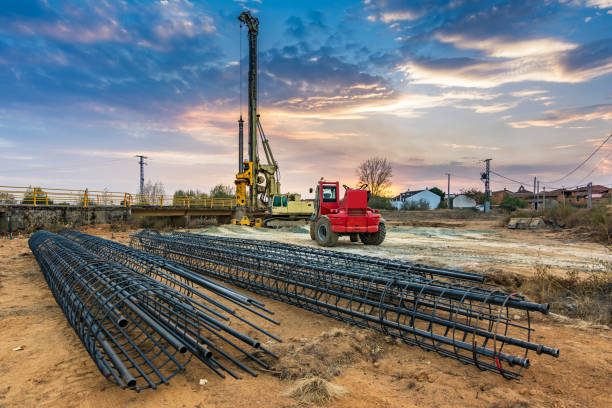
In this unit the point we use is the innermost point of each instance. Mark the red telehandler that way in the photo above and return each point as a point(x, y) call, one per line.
point(350, 216)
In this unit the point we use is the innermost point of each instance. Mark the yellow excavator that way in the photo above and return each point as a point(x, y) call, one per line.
point(259, 198)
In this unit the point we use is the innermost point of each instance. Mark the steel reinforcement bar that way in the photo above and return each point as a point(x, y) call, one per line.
point(386, 267)
point(139, 332)
point(473, 324)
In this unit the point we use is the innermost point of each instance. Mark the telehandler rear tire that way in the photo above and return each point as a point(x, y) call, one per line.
point(375, 238)
point(313, 235)
point(324, 234)
point(354, 237)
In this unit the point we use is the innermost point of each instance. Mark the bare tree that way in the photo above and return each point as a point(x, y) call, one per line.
point(376, 172)
point(152, 192)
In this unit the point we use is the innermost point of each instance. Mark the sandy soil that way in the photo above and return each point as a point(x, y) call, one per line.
point(53, 369)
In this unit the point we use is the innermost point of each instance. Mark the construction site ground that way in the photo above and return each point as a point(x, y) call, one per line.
point(43, 364)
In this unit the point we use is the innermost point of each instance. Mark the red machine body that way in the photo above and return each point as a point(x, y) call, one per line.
point(350, 216)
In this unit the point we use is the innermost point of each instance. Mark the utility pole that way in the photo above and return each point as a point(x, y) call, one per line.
point(563, 192)
point(486, 177)
point(534, 204)
point(589, 195)
point(544, 197)
point(538, 196)
point(141, 161)
point(448, 191)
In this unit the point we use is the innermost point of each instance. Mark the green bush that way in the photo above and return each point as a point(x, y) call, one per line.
point(438, 191)
point(28, 197)
point(511, 203)
point(380, 203)
point(416, 205)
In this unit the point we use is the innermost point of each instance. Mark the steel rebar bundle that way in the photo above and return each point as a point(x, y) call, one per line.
point(140, 332)
point(185, 281)
point(474, 324)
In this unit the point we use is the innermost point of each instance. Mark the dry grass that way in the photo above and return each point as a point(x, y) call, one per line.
point(328, 354)
point(594, 223)
point(315, 390)
point(585, 297)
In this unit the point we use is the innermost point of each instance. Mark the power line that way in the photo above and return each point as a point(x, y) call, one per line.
point(582, 163)
point(509, 179)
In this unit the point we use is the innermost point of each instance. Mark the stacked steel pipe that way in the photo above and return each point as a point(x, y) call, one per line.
point(139, 331)
point(440, 310)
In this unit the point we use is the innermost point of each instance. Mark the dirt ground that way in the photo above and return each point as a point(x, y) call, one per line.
point(53, 369)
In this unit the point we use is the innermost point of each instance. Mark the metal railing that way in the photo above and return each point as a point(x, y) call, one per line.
point(42, 196)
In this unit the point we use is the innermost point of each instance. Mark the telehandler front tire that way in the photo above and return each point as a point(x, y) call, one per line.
point(324, 234)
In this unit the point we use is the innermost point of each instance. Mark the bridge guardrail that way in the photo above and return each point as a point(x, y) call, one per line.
point(42, 196)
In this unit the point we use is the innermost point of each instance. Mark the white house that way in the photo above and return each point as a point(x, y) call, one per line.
point(463, 201)
point(417, 197)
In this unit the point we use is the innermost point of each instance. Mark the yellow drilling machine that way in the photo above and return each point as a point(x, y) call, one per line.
point(259, 198)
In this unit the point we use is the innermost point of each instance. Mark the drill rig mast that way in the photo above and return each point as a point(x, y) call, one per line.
point(252, 173)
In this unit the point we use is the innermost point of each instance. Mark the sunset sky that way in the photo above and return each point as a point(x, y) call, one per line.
point(434, 86)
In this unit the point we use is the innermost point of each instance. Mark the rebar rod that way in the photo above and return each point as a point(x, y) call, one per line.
point(473, 324)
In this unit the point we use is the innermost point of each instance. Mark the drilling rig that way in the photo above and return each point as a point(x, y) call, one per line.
point(264, 202)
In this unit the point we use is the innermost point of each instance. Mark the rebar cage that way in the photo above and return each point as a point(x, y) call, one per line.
point(442, 310)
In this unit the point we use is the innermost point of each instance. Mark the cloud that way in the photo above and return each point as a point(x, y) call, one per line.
point(563, 147)
point(390, 17)
point(166, 157)
point(492, 108)
point(470, 147)
point(300, 29)
point(5, 143)
point(577, 65)
point(558, 117)
point(497, 44)
point(603, 4)
point(90, 22)
point(501, 47)
point(528, 93)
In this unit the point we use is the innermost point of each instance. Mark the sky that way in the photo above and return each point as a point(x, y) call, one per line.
point(434, 86)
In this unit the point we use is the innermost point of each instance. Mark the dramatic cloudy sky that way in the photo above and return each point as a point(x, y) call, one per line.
point(434, 86)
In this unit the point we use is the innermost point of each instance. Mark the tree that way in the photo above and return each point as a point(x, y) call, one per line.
point(152, 192)
point(438, 191)
point(41, 196)
point(376, 172)
point(222, 191)
point(380, 203)
point(6, 198)
point(511, 203)
point(194, 196)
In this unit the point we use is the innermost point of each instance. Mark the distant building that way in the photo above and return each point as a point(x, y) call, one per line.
point(577, 196)
point(498, 196)
point(463, 201)
point(417, 197)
